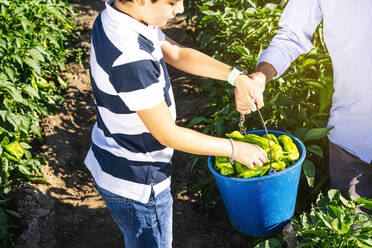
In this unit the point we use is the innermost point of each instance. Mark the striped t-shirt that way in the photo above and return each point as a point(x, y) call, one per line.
point(128, 73)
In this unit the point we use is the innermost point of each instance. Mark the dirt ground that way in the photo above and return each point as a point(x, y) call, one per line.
point(69, 213)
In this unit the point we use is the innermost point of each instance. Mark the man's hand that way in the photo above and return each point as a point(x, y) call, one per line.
point(249, 88)
point(249, 91)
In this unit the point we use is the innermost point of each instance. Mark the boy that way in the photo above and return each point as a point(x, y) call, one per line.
point(135, 133)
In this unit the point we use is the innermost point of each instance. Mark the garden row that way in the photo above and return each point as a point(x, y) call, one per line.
point(298, 102)
point(33, 35)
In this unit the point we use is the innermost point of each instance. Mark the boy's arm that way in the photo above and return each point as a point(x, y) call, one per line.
point(160, 123)
point(194, 62)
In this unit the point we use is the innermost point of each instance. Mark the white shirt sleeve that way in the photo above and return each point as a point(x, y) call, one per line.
point(298, 23)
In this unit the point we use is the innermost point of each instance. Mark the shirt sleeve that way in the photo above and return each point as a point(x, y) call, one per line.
point(138, 85)
point(297, 26)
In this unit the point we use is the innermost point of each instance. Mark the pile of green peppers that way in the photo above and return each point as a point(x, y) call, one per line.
point(284, 154)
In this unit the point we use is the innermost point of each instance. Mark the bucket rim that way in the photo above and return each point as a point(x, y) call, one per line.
point(266, 177)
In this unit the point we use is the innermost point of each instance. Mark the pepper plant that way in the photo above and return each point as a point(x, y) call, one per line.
point(33, 34)
point(332, 222)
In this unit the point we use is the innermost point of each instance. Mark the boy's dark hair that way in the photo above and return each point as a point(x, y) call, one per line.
point(122, 1)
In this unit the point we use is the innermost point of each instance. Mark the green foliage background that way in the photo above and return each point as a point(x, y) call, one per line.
point(33, 34)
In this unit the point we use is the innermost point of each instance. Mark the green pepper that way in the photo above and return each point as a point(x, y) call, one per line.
point(10, 157)
point(278, 165)
point(42, 83)
point(244, 172)
point(289, 148)
point(276, 151)
point(14, 149)
point(224, 166)
point(258, 140)
point(271, 137)
point(235, 135)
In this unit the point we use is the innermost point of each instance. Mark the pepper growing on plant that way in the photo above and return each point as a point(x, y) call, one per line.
point(13, 151)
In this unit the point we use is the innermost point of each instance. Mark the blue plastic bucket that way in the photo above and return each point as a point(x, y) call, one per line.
point(261, 206)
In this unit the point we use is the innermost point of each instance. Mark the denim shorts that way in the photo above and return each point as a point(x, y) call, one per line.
point(143, 225)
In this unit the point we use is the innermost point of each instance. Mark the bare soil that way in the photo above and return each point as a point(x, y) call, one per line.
point(70, 213)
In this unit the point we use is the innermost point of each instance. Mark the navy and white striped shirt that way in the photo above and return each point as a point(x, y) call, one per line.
point(128, 73)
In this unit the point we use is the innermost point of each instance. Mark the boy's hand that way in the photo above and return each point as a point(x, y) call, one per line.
point(250, 155)
point(249, 90)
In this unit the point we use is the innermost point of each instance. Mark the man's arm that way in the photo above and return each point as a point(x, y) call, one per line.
point(266, 71)
point(298, 24)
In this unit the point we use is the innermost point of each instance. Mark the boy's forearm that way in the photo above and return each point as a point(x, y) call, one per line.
point(200, 64)
point(160, 123)
point(190, 141)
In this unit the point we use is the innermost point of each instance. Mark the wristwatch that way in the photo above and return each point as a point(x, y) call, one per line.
point(234, 74)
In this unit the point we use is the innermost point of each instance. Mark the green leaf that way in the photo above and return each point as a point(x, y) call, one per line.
point(269, 243)
point(62, 82)
point(325, 96)
point(39, 180)
point(33, 64)
point(3, 114)
point(347, 203)
point(316, 84)
point(326, 220)
point(10, 73)
point(344, 228)
point(364, 242)
point(309, 61)
point(320, 233)
point(317, 150)
point(24, 170)
point(13, 213)
point(210, 13)
point(336, 211)
point(334, 195)
point(309, 171)
point(31, 91)
point(316, 133)
point(36, 55)
point(24, 145)
point(14, 92)
point(13, 119)
point(301, 132)
point(3, 224)
point(367, 203)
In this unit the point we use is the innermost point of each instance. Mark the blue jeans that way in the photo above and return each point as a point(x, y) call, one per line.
point(143, 225)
